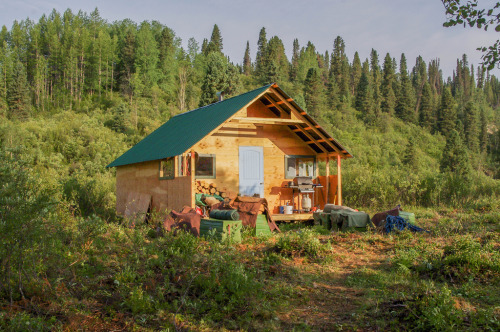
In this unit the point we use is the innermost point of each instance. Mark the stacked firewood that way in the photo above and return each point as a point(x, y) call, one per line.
point(204, 187)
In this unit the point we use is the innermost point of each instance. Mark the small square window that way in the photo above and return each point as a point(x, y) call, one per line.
point(300, 166)
point(205, 166)
point(167, 168)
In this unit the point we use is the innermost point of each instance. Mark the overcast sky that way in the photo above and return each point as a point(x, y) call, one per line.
point(395, 26)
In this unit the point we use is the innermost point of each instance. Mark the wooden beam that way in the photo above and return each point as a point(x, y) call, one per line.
point(339, 181)
point(273, 103)
point(193, 181)
point(274, 121)
point(301, 116)
point(322, 148)
point(327, 179)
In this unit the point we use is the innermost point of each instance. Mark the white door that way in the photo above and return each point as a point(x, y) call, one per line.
point(251, 170)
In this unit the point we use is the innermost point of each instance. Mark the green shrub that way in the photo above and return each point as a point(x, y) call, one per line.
point(301, 243)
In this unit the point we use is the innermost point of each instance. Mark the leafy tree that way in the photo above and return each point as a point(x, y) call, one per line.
point(25, 207)
point(468, 13)
point(146, 56)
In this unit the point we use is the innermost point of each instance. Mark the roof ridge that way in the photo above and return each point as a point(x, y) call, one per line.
point(221, 101)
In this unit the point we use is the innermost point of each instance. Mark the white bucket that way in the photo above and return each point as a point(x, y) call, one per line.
point(288, 209)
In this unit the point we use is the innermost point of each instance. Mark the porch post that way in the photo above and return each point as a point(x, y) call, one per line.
point(193, 184)
point(327, 179)
point(339, 182)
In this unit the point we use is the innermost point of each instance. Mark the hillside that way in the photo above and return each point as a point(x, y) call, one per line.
point(77, 91)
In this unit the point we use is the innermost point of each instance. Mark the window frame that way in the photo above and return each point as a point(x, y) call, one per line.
point(160, 169)
point(214, 173)
point(297, 157)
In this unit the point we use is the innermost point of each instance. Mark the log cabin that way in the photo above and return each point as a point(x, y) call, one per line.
point(253, 144)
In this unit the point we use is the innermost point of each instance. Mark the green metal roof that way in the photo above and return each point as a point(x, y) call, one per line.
point(185, 130)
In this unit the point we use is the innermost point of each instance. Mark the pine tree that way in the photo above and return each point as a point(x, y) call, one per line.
point(388, 96)
point(294, 68)
point(419, 77)
point(447, 115)
point(375, 73)
point(405, 107)
point(278, 68)
point(18, 93)
point(410, 157)
point(338, 68)
point(364, 94)
point(216, 38)
point(215, 44)
point(220, 76)
point(471, 127)
point(261, 57)
point(247, 62)
point(314, 93)
point(355, 73)
point(455, 158)
point(483, 138)
point(426, 111)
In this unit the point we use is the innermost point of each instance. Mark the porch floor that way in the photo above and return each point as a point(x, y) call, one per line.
point(292, 217)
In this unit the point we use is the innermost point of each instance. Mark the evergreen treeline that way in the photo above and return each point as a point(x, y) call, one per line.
point(76, 91)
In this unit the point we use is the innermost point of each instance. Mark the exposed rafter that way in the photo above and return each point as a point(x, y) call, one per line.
point(304, 119)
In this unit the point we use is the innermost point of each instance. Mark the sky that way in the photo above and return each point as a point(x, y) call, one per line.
point(394, 26)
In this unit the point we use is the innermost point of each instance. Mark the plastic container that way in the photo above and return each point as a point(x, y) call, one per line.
point(288, 209)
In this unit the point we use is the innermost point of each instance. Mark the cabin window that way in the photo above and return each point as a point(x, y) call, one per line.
point(205, 166)
point(167, 168)
point(300, 166)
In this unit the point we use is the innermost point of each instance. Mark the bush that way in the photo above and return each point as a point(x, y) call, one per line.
point(301, 243)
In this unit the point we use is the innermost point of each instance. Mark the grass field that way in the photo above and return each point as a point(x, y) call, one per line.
point(304, 279)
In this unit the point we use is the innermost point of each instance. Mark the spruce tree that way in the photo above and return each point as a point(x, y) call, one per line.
point(220, 76)
point(426, 110)
point(375, 73)
point(483, 136)
point(314, 93)
point(261, 57)
point(294, 68)
point(388, 96)
point(215, 44)
point(355, 73)
point(278, 68)
point(471, 127)
point(405, 100)
point(247, 62)
point(455, 158)
point(447, 114)
point(364, 94)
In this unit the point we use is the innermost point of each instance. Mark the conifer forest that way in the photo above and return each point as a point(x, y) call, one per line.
point(77, 91)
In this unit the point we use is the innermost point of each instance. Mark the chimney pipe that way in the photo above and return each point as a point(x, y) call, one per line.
point(220, 95)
